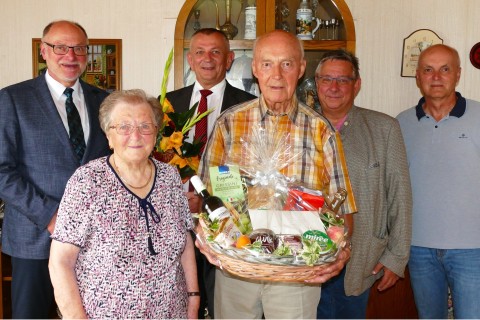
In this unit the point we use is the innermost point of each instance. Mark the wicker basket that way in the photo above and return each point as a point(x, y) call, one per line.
point(265, 272)
point(264, 267)
point(258, 271)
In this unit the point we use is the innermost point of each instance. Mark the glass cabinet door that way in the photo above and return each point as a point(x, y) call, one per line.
point(331, 26)
point(310, 20)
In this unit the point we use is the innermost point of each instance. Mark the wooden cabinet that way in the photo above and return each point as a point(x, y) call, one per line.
point(111, 71)
point(270, 15)
point(6, 278)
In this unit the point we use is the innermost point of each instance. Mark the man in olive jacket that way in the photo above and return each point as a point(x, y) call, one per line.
point(377, 165)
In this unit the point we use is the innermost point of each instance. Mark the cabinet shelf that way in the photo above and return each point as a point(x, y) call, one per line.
point(307, 44)
point(268, 18)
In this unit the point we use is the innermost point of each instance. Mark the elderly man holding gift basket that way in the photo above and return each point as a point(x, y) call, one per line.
point(315, 161)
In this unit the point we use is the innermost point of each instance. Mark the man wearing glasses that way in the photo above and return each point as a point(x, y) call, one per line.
point(48, 128)
point(377, 165)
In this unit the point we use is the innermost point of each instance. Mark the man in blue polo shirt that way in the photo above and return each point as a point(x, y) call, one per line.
point(442, 137)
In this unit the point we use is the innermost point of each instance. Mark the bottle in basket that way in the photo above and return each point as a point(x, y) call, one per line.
point(212, 205)
point(337, 200)
point(336, 229)
point(227, 232)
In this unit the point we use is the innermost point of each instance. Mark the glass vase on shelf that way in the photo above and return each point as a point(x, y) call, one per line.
point(196, 24)
point(251, 20)
point(228, 27)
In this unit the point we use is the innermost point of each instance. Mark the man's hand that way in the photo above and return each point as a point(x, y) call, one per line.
point(325, 273)
point(389, 278)
point(194, 202)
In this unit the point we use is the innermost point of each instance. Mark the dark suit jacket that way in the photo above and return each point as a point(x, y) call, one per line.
point(36, 160)
point(180, 98)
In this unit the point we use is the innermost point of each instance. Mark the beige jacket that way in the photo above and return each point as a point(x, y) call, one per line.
point(378, 169)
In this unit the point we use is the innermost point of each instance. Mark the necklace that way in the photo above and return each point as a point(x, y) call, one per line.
point(125, 181)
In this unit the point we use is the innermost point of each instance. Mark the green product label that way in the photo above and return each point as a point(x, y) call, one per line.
point(320, 238)
point(227, 183)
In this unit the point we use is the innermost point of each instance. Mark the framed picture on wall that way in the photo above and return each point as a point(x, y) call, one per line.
point(413, 45)
point(104, 63)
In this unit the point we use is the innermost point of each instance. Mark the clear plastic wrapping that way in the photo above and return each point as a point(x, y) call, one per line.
point(270, 195)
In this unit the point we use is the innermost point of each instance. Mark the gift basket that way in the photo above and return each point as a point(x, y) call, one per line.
point(275, 228)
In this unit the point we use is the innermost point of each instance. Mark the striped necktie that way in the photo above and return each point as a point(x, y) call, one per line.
point(202, 126)
point(75, 125)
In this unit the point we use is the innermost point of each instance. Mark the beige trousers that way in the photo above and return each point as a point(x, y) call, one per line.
point(239, 299)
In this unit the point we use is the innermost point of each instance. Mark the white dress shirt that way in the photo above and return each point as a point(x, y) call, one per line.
point(56, 90)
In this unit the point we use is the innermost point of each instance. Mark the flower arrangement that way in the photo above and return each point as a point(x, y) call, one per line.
point(171, 146)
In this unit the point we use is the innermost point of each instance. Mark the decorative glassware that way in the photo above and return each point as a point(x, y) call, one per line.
point(228, 28)
point(196, 24)
point(217, 20)
point(251, 21)
point(304, 22)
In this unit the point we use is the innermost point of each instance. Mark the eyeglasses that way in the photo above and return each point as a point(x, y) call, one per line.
point(62, 49)
point(341, 81)
point(125, 129)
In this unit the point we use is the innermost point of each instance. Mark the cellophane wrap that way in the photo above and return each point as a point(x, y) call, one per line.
point(264, 154)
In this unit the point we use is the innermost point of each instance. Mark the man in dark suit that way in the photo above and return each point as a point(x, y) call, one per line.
point(37, 158)
point(209, 57)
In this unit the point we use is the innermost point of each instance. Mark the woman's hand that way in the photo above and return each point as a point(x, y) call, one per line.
point(204, 248)
point(190, 269)
point(193, 304)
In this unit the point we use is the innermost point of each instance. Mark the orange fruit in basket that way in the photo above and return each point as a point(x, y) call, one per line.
point(242, 241)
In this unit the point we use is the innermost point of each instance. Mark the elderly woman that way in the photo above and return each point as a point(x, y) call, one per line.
point(121, 247)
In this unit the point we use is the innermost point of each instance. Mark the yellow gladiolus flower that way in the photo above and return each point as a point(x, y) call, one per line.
point(176, 141)
point(164, 143)
point(177, 160)
point(167, 106)
point(194, 162)
point(169, 149)
point(166, 118)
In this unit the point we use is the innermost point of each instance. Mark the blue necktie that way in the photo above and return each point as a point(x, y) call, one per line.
point(75, 125)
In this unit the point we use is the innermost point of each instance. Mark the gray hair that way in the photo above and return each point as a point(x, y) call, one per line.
point(342, 55)
point(133, 97)
point(210, 31)
point(46, 30)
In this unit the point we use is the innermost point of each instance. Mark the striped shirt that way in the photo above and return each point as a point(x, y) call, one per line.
point(322, 165)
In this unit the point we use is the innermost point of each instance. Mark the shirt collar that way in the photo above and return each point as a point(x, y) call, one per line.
point(57, 89)
point(292, 111)
point(457, 111)
point(219, 87)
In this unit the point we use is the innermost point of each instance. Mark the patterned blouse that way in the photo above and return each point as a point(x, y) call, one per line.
point(121, 271)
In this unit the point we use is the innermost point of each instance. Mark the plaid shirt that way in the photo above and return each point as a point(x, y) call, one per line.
point(322, 166)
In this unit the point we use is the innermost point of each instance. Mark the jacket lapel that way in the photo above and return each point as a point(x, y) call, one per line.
point(93, 98)
point(48, 108)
